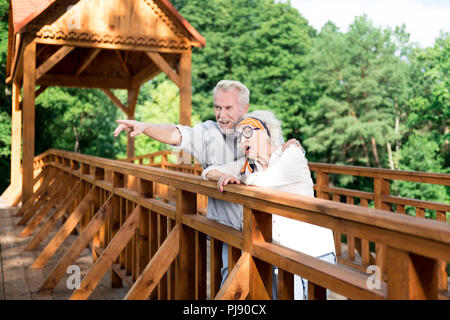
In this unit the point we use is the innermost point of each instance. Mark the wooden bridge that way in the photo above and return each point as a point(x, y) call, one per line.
point(138, 230)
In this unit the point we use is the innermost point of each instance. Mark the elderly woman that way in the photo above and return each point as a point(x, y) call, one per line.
point(266, 165)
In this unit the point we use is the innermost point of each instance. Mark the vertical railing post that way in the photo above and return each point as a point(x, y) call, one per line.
point(258, 227)
point(185, 263)
point(410, 276)
point(145, 191)
point(381, 187)
point(117, 182)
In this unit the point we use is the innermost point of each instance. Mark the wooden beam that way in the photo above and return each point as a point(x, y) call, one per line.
point(125, 69)
point(49, 193)
point(58, 196)
point(40, 90)
point(16, 136)
point(185, 89)
point(105, 261)
point(58, 214)
point(27, 205)
point(65, 230)
point(53, 60)
point(29, 84)
point(165, 67)
point(116, 101)
point(87, 60)
point(144, 75)
point(78, 246)
point(83, 81)
point(156, 268)
point(236, 287)
point(257, 287)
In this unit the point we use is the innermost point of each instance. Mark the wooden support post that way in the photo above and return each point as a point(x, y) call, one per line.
point(16, 137)
point(157, 266)
point(78, 246)
point(65, 230)
point(410, 276)
point(185, 88)
point(29, 89)
point(133, 94)
point(111, 252)
point(185, 263)
point(316, 292)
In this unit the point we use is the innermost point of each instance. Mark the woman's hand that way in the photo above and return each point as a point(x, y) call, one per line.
point(226, 179)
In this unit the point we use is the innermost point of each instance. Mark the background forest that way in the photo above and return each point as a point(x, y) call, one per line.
point(365, 97)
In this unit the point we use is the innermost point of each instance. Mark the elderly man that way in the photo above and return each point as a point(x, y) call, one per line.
point(212, 143)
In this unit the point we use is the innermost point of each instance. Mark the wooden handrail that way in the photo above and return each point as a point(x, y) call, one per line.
point(406, 236)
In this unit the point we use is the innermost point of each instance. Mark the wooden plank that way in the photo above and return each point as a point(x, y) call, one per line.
point(29, 85)
point(58, 214)
point(78, 246)
point(111, 252)
point(53, 60)
point(237, 285)
point(87, 60)
point(64, 231)
point(157, 266)
point(165, 67)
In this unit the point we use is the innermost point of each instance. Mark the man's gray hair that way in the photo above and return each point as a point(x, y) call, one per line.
point(272, 123)
point(227, 85)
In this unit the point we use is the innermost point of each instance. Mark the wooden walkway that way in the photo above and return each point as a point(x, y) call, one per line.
point(19, 282)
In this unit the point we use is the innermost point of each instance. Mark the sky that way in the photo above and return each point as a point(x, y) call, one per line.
point(423, 18)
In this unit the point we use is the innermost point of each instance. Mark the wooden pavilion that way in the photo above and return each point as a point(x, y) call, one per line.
point(113, 44)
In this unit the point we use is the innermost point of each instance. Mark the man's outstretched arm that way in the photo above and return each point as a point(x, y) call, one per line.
point(165, 133)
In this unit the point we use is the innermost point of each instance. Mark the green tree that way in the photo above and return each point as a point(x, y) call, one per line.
point(429, 105)
point(260, 43)
point(359, 79)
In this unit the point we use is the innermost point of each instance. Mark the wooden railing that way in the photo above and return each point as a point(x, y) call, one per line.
point(355, 252)
point(159, 248)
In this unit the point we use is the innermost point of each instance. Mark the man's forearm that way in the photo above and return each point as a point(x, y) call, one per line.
point(165, 133)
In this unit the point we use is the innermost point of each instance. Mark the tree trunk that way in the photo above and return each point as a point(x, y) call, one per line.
point(391, 160)
point(375, 152)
